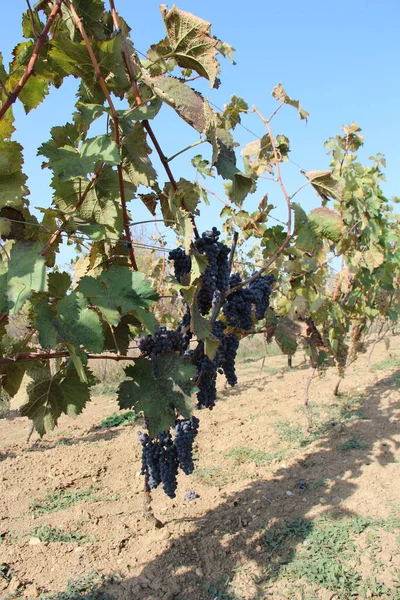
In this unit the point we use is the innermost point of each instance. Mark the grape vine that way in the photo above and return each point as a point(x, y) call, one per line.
point(286, 286)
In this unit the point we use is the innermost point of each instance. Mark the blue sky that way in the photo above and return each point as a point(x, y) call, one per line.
point(339, 59)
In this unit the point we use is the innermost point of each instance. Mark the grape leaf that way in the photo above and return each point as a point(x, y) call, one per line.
point(26, 273)
point(188, 103)
point(279, 94)
point(12, 179)
point(71, 321)
point(58, 283)
point(117, 292)
point(286, 332)
point(68, 162)
point(50, 396)
point(159, 397)
point(327, 223)
point(191, 43)
point(135, 158)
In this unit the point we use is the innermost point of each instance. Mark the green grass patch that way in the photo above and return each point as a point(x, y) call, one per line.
point(213, 476)
point(293, 434)
point(352, 444)
point(243, 454)
point(324, 554)
point(90, 586)
point(119, 419)
point(388, 363)
point(61, 499)
point(49, 534)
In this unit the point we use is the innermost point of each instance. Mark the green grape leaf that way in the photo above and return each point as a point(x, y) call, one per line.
point(226, 167)
point(26, 274)
point(159, 397)
point(327, 223)
point(135, 158)
point(12, 179)
point(72, 321)
point(48, 397)
point(373, 258)
point(279, 94)
point(68, 163)
point(191, 43)
point(58, 283)
point(117, 292)
point(11, 376)
point(230, 117)
point(285, 334)
point(34, 92)
point(116, 339)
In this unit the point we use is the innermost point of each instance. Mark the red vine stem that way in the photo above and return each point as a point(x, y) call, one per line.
point(28, 356)
point(146, 124)
point(285, 242)
point(114, 115)
point(89, 186)
point(42, 39)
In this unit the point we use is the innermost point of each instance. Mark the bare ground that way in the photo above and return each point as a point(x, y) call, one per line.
point(255, 471)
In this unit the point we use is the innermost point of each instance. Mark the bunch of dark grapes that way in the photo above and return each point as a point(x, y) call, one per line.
point(261, 289)
point(184, 330)
point(151, 453)
point(237, 307)
point(229, 348)
point(185, 433)
point(162, 341)
point(168, 463)
point(216, 273)
point(182, 263)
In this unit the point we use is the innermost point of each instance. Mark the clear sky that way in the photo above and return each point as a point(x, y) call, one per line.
point(340, 59)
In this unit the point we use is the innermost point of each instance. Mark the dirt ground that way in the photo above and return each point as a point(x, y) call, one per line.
point(256, 473)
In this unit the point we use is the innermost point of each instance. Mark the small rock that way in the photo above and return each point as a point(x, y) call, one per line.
point(199, 572)
point(289, 493)
point(78, 549)
point(322, 500)
point(34, 541)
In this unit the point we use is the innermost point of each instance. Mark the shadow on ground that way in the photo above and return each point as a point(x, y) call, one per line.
point(234, 536)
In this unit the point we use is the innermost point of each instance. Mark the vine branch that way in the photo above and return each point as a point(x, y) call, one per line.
point(42, 39)
point(114, 115)
point(29, 356)
point(145, 123)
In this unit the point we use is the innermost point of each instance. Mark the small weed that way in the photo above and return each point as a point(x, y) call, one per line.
point(293, 434)
point(118, 419)
point(49, 534)
point(62, 499)
point(213, 476)
point(386, 364)
point(352, 444)
point(218, 593)
point(241, 455)
point(326, 557)
point(320, 483)
point(87, 587)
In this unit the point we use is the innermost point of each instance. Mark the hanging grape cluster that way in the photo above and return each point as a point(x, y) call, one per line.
point(163, 456)
point(241, 307)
